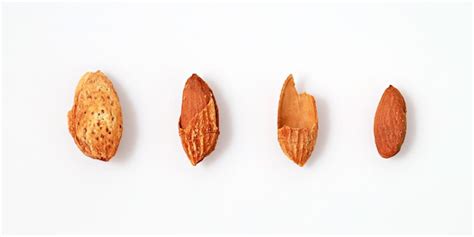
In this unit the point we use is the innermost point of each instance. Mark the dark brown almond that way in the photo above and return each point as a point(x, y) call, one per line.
point(199, 120)
point(297, 123)
point(390, 123)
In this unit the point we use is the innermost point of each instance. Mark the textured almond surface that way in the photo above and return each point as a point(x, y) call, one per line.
point(95, 120)
point(297, 123)
point(199, 120)
point(390, 123)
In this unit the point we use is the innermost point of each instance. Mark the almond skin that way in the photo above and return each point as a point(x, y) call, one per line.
point(95, 120)
point(297, 123)
point(390, 123)
point(199, 120)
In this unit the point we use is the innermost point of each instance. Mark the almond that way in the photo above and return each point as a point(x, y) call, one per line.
point(390, 123)
point(95, 120)
point(297, 123)
point(199, 120)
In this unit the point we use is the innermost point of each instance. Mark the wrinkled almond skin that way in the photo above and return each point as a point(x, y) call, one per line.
point(199, 120)
point(390, 123)
point(95, 120)
point(297, 123)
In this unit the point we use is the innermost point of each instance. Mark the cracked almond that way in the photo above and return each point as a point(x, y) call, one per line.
point(297, 123)
point(199, 120)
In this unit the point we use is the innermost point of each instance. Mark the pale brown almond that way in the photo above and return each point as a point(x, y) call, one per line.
point(390, 123)
point(95, 120)
point(297, 123)
point(199, 120)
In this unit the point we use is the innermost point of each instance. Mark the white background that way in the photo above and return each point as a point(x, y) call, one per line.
point(343, 54)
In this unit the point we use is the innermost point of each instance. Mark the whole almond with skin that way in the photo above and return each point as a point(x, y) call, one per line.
point(95, 120)
point(390, 123)
point(199, 120)
point(297, 123)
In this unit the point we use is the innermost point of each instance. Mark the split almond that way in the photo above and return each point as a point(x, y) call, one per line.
point(297, 123)
point(390, 123)
point(95, 120)
point(199, 121)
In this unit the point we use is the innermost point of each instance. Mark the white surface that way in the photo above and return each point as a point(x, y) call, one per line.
point(345, 55)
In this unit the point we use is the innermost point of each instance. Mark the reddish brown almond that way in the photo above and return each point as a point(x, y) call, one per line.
point(297, 123)
point(199, 121)
point(390, 123)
